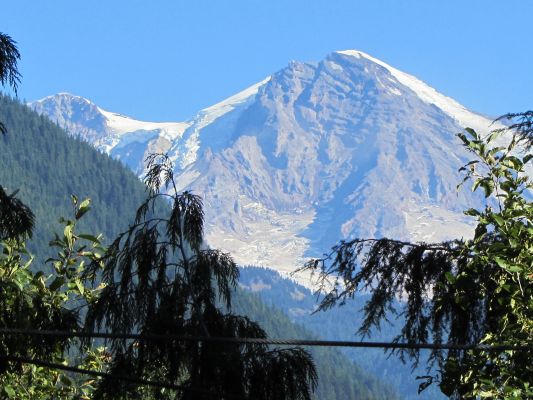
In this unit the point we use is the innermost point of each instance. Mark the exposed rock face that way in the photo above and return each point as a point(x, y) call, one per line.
point(345, 147)
point(76, 115)
point(121, 137)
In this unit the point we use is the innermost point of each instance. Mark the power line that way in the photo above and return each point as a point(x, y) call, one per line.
point(139, 381)
point(281, 342)
point(28, 360)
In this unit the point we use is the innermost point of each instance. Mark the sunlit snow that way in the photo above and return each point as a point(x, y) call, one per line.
point(464, 117)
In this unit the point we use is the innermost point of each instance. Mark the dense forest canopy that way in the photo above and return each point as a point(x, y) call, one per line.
point(46, 167)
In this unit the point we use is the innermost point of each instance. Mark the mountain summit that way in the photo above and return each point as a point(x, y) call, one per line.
point(317, 152)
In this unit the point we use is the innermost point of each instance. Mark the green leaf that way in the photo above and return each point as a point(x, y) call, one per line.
point(80, 286)
point(65, 380)
point(85, 203)
point(494, 134)
point(476, 184)
point(501, 262)
point(449, 277)
point(10, 392)
point(83, 208)
point(57, 283)
point(508, 186)
point(495, 150)
point(472, 133)
point(18, 284)
point(498, 219)
point(486, 184)
point(67, 233)
point(90, 238)
point(463, 138)
point(514, 163)
point(508, 267)
point(472, 211)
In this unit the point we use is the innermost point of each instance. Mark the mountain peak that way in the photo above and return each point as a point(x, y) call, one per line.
point(63, 96)
point(426, 93)
point(347, 146)
point(354, 53)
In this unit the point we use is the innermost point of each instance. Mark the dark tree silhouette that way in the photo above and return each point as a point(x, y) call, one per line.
point(16, 219)
point(161, 278)
point(26, 300)
point(9, 74)
point(522, 124)
point(463, 291)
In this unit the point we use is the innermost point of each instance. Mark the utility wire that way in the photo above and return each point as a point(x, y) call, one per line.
point(282, 342)
point(139, 381)
point(28, 360)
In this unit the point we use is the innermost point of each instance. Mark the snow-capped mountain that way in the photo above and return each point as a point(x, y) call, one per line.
point(120, 136)
point(348, 146)
point(131, 140)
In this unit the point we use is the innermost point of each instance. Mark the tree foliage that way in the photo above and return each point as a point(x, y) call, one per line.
point(522, 125)
point(31, 299)
point(37, 301)
point(9, 74)
point(160, 278)
point(462, 291)
point(9, 56)
point(16, 218)
point(140, 289)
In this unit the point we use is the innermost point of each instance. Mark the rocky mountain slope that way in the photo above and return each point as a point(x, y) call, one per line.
point(317, 152)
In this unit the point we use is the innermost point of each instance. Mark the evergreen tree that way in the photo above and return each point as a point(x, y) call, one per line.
point(16, 219)
point(461, 292)
point(160, 278)
point(9, 74)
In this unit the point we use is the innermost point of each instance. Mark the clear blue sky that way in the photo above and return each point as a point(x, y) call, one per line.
point(166, 59)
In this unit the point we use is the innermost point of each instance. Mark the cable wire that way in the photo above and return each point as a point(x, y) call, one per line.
point(281, 342)
point(28, 360)
point(139, 381)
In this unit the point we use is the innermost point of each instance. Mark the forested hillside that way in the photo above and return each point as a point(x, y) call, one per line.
point(338, 323)
point(47, 166)
point(338, 377)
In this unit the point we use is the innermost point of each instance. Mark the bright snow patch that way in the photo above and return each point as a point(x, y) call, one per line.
point(211, 113)
point(184, 154)
point(121, 124)
point(451, 107)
